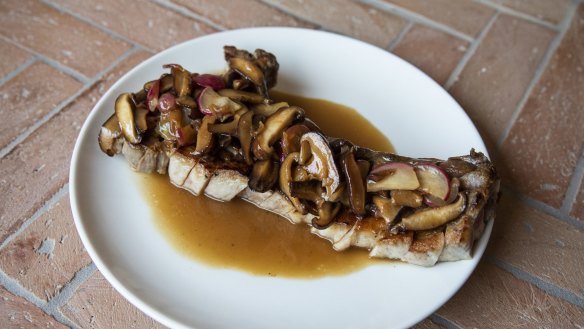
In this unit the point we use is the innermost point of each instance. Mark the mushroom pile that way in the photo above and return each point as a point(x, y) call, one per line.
point(230, 119)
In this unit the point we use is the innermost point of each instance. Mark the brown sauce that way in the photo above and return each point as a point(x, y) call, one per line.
point(241, 236)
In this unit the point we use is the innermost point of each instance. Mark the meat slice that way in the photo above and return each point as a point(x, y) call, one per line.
point(179, 168)
point(147, 157)
point(426, 248)
point(225, 184)
point(197, 179)
point(368, 230)
point(392, 246)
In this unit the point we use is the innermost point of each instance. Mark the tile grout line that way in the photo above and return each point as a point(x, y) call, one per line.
point(442, 321)
point(54, 199)
point(317, 25)
point(574, 186)
point(544, 208)
point(543, 64)
point(64, 103)
point(474, 45)
point(549, 288)
point(65, 69)
point(407, 27)
point(20, 68)
point(417, 18)
point(52, 306)
point(283, 9)
point(518, 14)
point(51, 62)
point(91, 23)
point(70, 287)
point(188, 13)
point(15, 288)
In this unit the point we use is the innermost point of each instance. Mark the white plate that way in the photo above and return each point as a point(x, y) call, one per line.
point(113, 220)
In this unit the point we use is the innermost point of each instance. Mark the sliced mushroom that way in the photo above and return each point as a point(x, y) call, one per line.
point(264, 175)
point(285, 179)
point(125, 109)
point(187, 135)
point(239, 84)
point(268, 109)
point(386, 209)
point(250, 71)
point(307, 190)
point(186, 101)
point(320, 163)
point(245, 135)
point(181, 79)
point(407, 198)
point(326, 215)
point(166, 83)
point(355, 183)
point(141, 118)
point(273, 129)
point(169, 124)
point(364, 167)
point(243, 96)
point(430, 218)
point(291, 138)
point(229, 128)
point(109, 136)
point(204, 136)
point(268, 63)
point(140, 96)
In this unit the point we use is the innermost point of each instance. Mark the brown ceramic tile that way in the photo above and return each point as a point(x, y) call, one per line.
point(434, 52)
point(542, 148)
point(493, 298)
point(16, 312)
point(58, 36)
point(11, 57)
point(353, 19)
point(427, 324)
point(465, 16)
point(538, 244)
point(47, 254)
point(146, 23)
point(496, 77)
point(242, 13)
point(551, 11)
point(578, 206)
point(26, 98)
point(39, 166)
point(96, 304)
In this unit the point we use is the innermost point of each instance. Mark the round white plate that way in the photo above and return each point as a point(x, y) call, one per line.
point(113, 220)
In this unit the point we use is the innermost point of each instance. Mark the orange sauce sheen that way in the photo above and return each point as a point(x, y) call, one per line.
point(239, 235)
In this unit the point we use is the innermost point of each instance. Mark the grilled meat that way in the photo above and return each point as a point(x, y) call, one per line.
point(222, 136)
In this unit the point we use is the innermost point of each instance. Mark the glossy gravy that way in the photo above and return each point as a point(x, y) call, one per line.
point(241, 236)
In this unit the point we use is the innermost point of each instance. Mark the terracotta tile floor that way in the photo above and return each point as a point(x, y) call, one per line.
point(517, 68)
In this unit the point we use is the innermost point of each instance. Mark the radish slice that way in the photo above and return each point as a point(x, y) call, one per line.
point(392, 176)
point(211, 103)
point(166, 102)
point(433, 181)
point(209, 80)
point(152, 96)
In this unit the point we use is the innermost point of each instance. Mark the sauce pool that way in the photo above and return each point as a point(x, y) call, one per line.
point(239, 235)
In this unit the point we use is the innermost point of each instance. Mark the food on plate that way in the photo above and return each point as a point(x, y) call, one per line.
point(224, 137)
